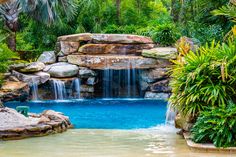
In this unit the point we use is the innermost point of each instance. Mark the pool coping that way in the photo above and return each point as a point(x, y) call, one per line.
point(206, 147)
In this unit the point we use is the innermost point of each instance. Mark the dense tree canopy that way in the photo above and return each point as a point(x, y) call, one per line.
point(40, 22)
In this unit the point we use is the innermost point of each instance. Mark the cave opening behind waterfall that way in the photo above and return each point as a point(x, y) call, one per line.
point(118, 84)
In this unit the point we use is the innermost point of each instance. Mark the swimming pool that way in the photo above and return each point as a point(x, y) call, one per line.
point(105, 113)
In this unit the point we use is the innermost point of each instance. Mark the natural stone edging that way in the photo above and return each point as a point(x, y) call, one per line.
point(49, 122)
point(206, 147)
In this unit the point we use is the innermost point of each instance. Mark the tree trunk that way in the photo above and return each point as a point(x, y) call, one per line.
point(118, 2)
point(11, 41)
point(11, 20)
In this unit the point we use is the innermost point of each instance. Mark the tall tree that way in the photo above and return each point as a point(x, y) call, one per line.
point(46, 11)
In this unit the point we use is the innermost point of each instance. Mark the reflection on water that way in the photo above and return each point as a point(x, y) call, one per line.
point(161, 141)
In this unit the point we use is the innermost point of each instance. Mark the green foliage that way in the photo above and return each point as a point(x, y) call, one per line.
point(49, 11)
point(149, 18)
point(228, 11)
point(6, 56)
point(204, 32)
point(216, 125)
point(195, 19)
point(166, 35)
point(204, 78)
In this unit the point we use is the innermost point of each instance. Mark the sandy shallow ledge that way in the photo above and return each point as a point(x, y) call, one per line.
point(206, 147)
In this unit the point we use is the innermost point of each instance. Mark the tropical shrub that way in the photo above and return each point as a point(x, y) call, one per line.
point(204, 78)
point(216, 125)
point(6, 56)
point(165, 35)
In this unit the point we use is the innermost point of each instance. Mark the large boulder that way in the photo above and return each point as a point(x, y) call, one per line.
point(44, 77)
point(38, 77)
point(86, 73)
point(64, 48)
point(107, 38)
point(29, 79)
point(86, 88)
point(62, 70)
point(158, 96)
point(161, 87)
point(121, 49)
point(14, 91)
point(184, 122)
point(116, 62)
point(121, 39)
point(47, 57)
point(14, 126)
point(33, 67)
point(62, 59)
point(76, 37)
point(10, 118)
point(153, 75)
point(18, 66)
point(161, 53)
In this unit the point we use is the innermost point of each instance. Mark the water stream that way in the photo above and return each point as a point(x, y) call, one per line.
point(76, 87)
point(59, 89)
point(170, 115)
point(34, 90)
point(120, 83)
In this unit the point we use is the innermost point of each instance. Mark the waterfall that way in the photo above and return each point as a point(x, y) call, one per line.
point(76, 86)
point(134, 73)
point(170, 115)
point(107, 83)
point(34, 90)
point(59, 89)
point(129, 80)
point(120, 83)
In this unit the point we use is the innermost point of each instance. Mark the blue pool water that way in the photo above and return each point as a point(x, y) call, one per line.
point(105, 114)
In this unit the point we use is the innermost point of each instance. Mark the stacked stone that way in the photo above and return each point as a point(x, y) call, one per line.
point(82, 55)
point(155, 82)
point(102, 51)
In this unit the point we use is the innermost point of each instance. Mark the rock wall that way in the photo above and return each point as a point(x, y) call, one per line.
point(84, 55)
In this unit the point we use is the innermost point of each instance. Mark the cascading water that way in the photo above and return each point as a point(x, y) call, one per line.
point(120, 83)
point(170, 115)
point(76, 87)
point(34, 90)
point(134, 73)
point(59, 89)
point(128, 79)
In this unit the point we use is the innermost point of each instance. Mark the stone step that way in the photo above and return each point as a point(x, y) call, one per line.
point(121, 49)
point(161, 53)
point(116, 62)
point(107, 38)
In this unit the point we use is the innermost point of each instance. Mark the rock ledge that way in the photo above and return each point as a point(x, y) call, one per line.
point(14, 126)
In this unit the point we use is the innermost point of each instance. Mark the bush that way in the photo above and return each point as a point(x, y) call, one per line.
point(6, 56)
point(216, 125)
point(165, 35)
point(204, 33)
point(204, 79)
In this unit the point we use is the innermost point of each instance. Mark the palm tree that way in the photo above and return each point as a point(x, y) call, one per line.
point(45, 11)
